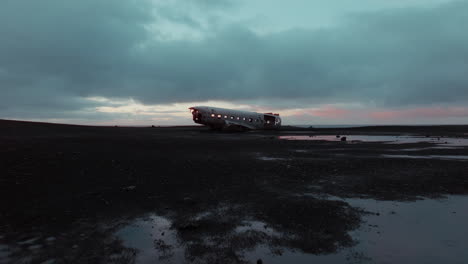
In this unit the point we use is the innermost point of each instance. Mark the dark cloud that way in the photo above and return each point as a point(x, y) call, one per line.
point(54, 53)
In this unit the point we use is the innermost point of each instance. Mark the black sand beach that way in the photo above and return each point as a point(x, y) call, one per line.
point(68, 193)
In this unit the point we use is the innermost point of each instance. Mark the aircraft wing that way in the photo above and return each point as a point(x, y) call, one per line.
point(234, 124)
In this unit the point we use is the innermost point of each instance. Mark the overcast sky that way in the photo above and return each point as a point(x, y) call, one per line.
point(315, 62)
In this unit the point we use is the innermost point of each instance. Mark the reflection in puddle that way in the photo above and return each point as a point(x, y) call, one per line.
point(86, 243)
point(4, 253)
point(443, 157)
point(154, 239)
point(228, 234)
point(297, 257)
point(262, 156)
point(428, 148)
point(382, 138)
point(256, 226)
point(157, 240)
point(424, 231)
point(270, 158)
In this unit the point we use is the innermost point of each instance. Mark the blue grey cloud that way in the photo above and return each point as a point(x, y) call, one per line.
point(54, 53)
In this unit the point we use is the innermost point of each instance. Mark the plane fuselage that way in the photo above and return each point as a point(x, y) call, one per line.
point(222, 118)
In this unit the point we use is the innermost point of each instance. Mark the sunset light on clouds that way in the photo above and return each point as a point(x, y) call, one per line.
point(314, 62)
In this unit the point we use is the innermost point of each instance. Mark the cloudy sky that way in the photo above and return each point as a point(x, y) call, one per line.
point(143, 62)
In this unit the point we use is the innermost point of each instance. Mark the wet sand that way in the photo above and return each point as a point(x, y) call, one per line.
point(82, 194)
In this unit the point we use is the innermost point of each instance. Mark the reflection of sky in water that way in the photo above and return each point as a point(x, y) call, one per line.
point(155, 240)
point(265, 158)
point(428, 148)
point(382, 138)
point(3, 253)
point(256, 226)
point(424, 231)
point(443, 157)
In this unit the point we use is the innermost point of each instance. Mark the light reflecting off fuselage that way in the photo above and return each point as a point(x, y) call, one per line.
point(234, 119)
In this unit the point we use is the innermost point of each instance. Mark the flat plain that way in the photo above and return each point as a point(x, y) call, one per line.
point(84, 194)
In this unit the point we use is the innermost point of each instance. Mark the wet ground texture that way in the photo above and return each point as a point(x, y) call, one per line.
point(73, 194)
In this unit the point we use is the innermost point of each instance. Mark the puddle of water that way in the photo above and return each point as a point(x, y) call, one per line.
point(28, 241)
point(448, 147)
point(146, 235)
point(301, 150)
point(257, 226)
point(288, 256)
point(154, 239)
point(311, 137)
point(260, 156)
point(424, 231)
point(428, 148)
point(270, 158)
point(4, 252)
point(387, 139)
point(442, 157)
point(31, 245)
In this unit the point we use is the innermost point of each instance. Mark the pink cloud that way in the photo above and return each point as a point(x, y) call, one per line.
point(326, 111)
point(377, 116)
point(426, 112)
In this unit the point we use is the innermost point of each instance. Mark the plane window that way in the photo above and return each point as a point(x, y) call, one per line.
point(268, 122)
point(243, 118)
point(250, 120)
point(225, 116)
point(219, 116)
point(238, 118)
point(212, 115)
point(232, 117)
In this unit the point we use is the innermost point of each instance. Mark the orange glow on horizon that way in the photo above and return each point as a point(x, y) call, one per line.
point(131, 111)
